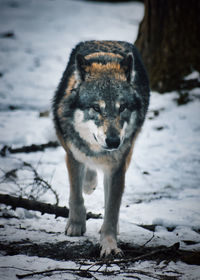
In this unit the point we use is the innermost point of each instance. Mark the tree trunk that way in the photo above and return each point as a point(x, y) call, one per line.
point(169, 43)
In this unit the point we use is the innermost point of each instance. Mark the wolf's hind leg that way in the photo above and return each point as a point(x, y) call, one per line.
point(90, 181)
point(76, 225)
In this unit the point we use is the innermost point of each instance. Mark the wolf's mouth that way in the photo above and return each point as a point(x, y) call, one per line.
point(105, 147)
point(95, 138)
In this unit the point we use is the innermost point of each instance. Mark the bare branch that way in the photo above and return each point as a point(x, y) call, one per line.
point(90, 273)
point(39, 185)
point(28, 149)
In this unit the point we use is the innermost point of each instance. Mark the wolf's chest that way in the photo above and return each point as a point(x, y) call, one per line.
point(96, 160)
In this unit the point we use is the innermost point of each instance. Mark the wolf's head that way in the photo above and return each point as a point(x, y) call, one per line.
point(107, 106)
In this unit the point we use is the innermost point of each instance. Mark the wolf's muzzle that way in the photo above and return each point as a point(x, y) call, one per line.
point(112, 142)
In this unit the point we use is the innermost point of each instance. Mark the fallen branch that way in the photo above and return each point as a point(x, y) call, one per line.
point(28, 149)
point(90, 273)
point(51, 271)
point(40, 206)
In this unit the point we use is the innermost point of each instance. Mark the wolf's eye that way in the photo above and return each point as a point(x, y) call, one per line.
point(96, 108)
point(122, 108)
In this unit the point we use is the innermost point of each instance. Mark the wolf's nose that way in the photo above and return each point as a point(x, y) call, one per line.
point(113, 142)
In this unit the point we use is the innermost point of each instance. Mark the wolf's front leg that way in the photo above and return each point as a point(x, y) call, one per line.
point(76, 225)
point(113, 188)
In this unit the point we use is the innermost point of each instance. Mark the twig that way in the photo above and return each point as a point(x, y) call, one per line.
point(149, 240)
point(17, 268)
point(90, 273)
point(46, 185)
point(40, 206)
point(37, 180)
point(77, 270)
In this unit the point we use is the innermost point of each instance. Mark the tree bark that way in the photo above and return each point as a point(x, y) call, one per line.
point(168, 42)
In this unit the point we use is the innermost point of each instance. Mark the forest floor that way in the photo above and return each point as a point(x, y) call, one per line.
point(160, 212)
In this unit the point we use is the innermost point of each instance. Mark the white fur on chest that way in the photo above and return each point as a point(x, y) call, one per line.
point(104, 162)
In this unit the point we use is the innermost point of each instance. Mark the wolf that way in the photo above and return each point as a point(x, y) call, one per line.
point(98, 110)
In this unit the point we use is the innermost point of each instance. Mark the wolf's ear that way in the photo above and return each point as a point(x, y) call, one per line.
point(81, 64)
point(127, 65)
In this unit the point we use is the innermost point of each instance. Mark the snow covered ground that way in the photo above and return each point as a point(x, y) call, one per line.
point(162, 185)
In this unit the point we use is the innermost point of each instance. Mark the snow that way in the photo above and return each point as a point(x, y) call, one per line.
point(193, 75)
point(162, 183)
point(14, 262)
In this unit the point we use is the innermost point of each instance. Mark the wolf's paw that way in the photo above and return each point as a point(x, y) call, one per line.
point(75, 228)
point(109, 248)
point(76, 224)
